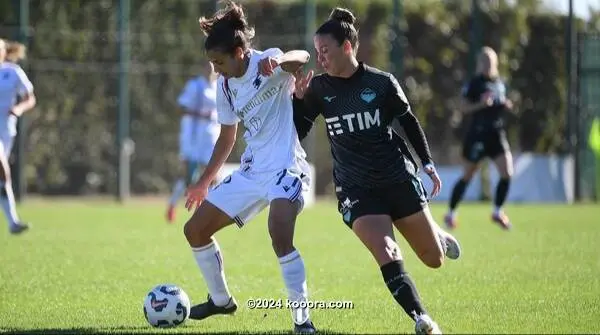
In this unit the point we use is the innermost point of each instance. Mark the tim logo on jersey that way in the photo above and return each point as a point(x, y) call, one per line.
point(353, 122)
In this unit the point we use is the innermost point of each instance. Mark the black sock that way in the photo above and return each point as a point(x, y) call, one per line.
point(457, 193)
point(402, 288)
point(501, 191)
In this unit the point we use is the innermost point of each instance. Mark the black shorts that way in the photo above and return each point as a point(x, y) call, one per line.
point(489, 144)
point(398, 200)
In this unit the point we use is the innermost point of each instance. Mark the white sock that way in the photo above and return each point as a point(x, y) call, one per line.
point(294, 275)
point(8, 203)
point(210, 262)
point(497, 210)
point(178, 191)
point(451, 213)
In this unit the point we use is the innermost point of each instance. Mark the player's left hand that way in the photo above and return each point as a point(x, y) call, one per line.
point(435, 178)
point(302, 82)
point(267, 66)
point(195, 195)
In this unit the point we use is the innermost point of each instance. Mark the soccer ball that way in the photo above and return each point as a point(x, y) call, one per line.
point(166, 306)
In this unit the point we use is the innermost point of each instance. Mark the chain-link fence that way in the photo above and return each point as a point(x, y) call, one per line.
point(70, 137)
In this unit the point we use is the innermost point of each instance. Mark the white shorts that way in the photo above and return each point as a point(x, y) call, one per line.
point(243, 195)
point(7, 144)
point(195, 149)
point(197, 140)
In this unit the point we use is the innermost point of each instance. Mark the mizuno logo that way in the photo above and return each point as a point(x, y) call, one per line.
point(329, 99)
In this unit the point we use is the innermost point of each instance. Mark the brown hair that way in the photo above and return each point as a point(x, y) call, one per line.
point(15, 51)
point(341, 27)
point(227, 29)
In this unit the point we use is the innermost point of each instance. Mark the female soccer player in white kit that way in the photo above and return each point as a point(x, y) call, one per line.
point(255, 87)
point(199, 130)
point(13, 84)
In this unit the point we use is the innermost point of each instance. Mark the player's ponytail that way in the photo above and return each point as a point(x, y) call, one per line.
point(342, 15)
point(15, 51)
point(341, 27)
point(227, 30)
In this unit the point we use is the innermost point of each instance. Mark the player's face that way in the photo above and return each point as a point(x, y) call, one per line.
point(226, 64)
point(329, 53)
point(487, 62)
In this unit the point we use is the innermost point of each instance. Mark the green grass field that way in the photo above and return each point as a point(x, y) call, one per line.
point(85, 267)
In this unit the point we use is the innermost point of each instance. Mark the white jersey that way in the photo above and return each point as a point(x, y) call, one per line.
point(264, 105)
point(13, 83)
point(199, 132)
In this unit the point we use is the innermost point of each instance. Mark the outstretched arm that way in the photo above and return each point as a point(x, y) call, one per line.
point(290, 61)
point(397, 101)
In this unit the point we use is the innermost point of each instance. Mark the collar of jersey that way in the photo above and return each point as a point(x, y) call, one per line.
point(250, 71)
point(357, 74)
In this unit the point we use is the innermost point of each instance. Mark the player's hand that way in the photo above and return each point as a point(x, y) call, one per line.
point(508, 104)
point(195, 195)
point(267, 66)
point(435, 178)
point(302, 82)
point(487, 99)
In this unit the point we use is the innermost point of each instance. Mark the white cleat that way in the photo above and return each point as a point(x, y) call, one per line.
point(425, 325)
point(449, 244)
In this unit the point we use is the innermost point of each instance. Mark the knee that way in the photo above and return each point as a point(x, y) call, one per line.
point(282, 239)
point(197, 232)
point(433, 258)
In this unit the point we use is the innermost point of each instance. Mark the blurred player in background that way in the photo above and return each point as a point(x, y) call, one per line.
point(14, 85)
point(254, 87)
point(199, 130)
point(376, 180)
point(484, 100)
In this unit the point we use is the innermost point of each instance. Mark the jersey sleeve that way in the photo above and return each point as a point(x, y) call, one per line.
point(306, 111)
point(396, 100)
point(398, 105)
point(274, 52)
point(225, 113)
point(187, 98)
point(24, 85)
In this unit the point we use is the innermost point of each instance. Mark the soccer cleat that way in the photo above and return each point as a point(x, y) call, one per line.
point(449, 244)
point(425, 325)
point(202, 311)
point(502, 220)
point(305, 328)
point(450, 221)
point(19, 228)
point(171, 214)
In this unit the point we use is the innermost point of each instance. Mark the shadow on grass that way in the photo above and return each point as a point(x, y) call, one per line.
point(135, 330)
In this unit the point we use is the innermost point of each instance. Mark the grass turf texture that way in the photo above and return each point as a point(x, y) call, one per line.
point(85, 267)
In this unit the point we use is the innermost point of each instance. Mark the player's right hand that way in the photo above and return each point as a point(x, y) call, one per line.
point(435, 178)
point(302, 82)
point(195, 194)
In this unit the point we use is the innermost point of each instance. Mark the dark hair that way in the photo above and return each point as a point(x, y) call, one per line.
point(227, 29)
point(341, 27)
